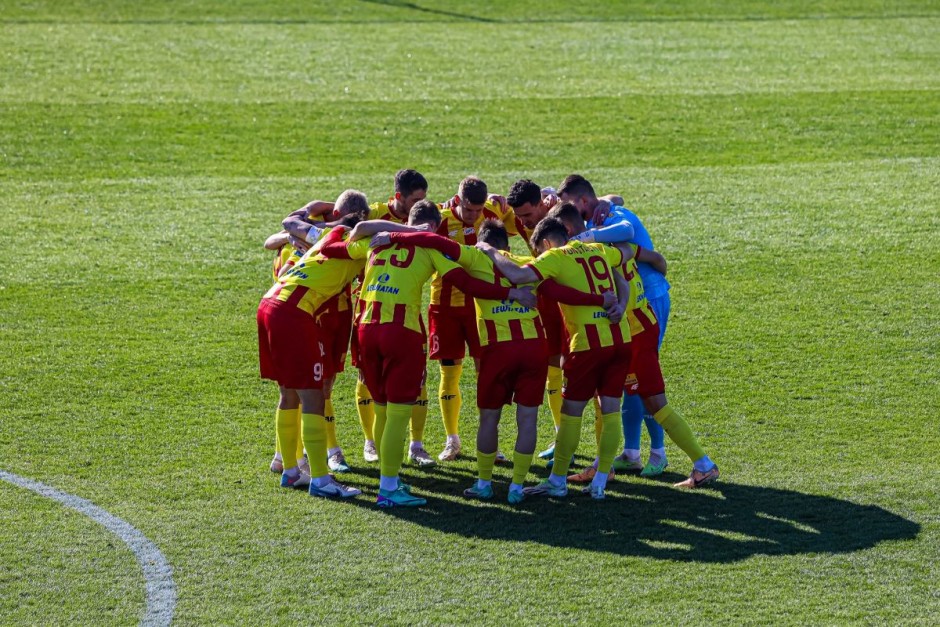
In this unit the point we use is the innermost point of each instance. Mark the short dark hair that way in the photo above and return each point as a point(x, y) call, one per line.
point(576, 185)
point(551, 229)
point(493, 232)
point(424, 211)
point(409, 181)
point(473, 190)
point(568, 214)
point(522, 192)
point(351, 219)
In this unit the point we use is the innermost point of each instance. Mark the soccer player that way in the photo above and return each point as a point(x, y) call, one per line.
point(612, 220)
point(290, 248)
point(292, 351)
point(598, 356)
point(451, 316)
point(335, 315)
point(391, 335)
point(645, 379)
point(530, 204)
point(514, 357)
point(410, 187)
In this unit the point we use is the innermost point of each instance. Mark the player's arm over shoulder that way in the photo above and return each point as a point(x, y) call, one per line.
point(651, 257)
point(509, 269)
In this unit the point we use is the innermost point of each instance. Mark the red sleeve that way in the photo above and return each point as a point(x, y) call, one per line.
point(333, 245)
point(446, 246)
point(475, 287)
point(568, 295)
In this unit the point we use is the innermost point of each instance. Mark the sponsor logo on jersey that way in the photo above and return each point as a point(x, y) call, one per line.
point(508, 308)
point(384, 289)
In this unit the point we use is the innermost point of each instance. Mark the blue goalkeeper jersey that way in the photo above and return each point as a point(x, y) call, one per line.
point(654, 282)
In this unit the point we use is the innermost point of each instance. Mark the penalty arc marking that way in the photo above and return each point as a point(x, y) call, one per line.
point(158, 574)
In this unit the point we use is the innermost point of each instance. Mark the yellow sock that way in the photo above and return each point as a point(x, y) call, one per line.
point(330, 419)
point(679, 432)
point(287, 435)
point(521, 462)
point(598, 429)
point(485, 463)
point(553, 389)
point(315, 442)
point(365, 409)
point(277, 438)
point(450, 397)
point(566, 443)
point(608, 440)
point(381, 417)
point(419, 416)
point(393, 439)
point(300, 432)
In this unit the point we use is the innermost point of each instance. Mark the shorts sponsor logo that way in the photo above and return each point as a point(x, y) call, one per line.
point(631, 384)
point(601, 314)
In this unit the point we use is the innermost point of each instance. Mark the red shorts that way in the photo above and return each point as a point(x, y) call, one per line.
point(556, 336)
point(392, 362)
point(645, 377)
point(356, 361)
point(286, 335)
point(453, 328)
point(335, 328)
point(512, 371)
point(600, 371)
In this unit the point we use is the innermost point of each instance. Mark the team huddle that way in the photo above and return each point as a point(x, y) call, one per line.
point(580, 319)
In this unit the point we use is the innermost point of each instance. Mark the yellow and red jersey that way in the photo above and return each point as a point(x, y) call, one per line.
point(515, 226)
point(286, 256)
point(499, 320)
point(640, 315)
point(340, 302)
point(383, 211)
point(315, 281)
point(442, 292)
point(394, 281)
point(587, 268)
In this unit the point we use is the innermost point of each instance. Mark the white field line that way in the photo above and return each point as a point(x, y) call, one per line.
point(158, 575)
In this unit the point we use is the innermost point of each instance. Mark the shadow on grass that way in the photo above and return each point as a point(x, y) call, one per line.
point(402, 4)
point(652, 519)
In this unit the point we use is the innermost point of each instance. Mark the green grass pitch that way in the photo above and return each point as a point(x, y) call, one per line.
point(785, 157)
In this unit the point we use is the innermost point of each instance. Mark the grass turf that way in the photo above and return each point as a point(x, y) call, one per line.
point(785, 159)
